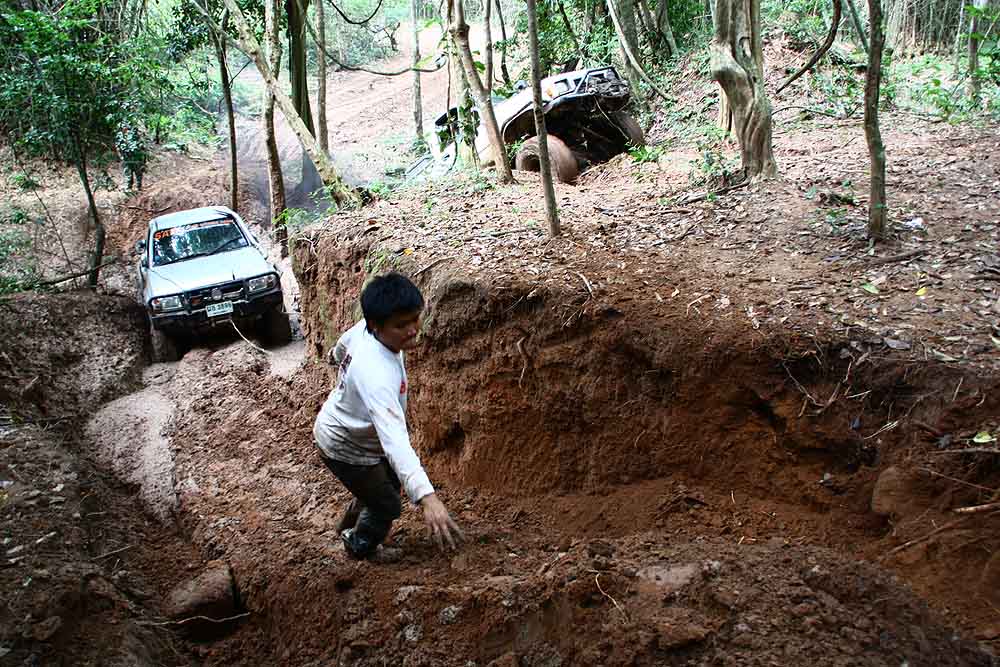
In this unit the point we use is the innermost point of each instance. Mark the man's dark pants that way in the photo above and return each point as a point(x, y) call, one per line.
point(376, 488)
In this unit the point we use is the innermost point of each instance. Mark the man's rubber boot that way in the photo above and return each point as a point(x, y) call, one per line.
point(349, 518)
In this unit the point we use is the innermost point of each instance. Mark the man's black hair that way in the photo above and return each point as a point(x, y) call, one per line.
point(390, 295)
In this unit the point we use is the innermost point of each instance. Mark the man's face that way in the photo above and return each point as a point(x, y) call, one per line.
point(400, 331)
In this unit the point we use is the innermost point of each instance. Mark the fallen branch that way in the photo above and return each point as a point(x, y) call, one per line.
point(143, 208)
point(78, 274)
point(200, 618)
point(924, 538)
point(970, 450)
point(586, 283)
point(976, 509)
point(818, 112)
point(112, 553)
point(433, 264)
point(504, 232)
point(956, 480)
point(912, 254)
point(687, 231)
point(821, 51)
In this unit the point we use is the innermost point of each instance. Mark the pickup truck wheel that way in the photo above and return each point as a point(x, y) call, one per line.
point(564, 164)
point(274, 327)
point(629, 127)
point(164, 347)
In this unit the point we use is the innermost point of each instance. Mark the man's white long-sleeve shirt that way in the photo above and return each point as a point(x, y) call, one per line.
point(364, 418)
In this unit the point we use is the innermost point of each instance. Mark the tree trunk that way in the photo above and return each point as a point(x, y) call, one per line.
point(418, 111)
point(856, 22)
point(460, 34)
point(503, 50)
point(227, 96)
point(489, 47)
point(958, 37)
point(663, 25)
point(545, 169)
point(974, 38)
point(652, 33)
point(734, 52)
point(876, 149)
point(298, 71)
point(572, 35)
point(340, 192)
point(628, 43)
point(629, 56)
point(95, 217)
point(275, 179)
point(321, 127)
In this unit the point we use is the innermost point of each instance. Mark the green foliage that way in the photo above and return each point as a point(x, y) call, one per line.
point(23, 181)
point(65, 85)
point(804, 22)
point(18, 270)
point(713, 163)
point(840, 88)
point(646, 153)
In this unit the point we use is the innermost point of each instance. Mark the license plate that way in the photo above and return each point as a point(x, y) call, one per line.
point(216, 309)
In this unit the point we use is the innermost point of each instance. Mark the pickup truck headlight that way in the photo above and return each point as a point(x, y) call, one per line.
point(262, 282)
point(165, 303)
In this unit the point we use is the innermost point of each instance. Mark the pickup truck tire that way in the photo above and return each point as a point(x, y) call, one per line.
point(629, 126)
point(564, 164)
point(164, 347)
point(275, 328)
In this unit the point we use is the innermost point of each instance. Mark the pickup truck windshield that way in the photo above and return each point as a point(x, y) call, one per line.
point(197, 239)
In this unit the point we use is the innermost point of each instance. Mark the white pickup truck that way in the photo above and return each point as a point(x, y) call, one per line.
point(202, 268)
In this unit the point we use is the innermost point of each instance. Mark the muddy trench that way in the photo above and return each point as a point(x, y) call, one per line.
point(636, 490)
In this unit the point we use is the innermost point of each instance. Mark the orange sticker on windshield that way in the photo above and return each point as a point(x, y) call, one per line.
point(162, 234)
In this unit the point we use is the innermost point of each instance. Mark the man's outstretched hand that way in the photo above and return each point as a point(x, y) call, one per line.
point(440, 524)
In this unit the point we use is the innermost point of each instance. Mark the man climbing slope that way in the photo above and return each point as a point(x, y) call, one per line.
point(361, 429)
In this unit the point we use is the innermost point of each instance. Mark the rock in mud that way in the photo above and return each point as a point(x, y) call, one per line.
point(413, 633)
point(506, 660)
point(449, 614)
point(212, 594)
point(666, 580)
point(894, 492)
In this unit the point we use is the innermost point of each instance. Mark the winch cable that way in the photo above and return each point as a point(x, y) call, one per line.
point(260, 349)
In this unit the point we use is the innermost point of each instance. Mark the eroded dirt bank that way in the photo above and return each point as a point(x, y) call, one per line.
point(81, 571)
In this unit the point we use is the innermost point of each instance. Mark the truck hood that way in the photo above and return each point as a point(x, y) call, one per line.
point(222, 267)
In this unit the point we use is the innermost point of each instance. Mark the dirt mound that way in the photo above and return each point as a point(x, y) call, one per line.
point(63, 355)
point(178, 183)
point(71, 595)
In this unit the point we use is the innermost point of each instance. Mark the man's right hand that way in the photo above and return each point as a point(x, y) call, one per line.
point(439, 522)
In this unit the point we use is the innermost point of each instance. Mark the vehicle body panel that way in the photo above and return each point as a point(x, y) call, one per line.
point(219, 278)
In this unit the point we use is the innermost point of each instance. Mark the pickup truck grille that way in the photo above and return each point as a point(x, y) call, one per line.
point(226, 292)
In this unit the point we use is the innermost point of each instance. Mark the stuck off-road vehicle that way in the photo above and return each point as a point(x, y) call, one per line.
point(584, 118)
point(202, 268)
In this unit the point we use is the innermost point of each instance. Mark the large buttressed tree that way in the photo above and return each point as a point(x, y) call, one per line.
point(737, 65)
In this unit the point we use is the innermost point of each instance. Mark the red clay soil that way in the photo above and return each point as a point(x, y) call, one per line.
point(694, 433)
point(80, 569)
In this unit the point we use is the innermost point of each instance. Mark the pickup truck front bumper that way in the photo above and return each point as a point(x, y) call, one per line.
point(193, 318)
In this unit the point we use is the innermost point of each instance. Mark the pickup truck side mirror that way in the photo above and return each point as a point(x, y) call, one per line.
point(520, 85)
point(140, 246)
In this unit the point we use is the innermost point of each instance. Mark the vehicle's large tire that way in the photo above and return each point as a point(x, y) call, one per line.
point(564, 164)
point(164, 346)
point(275, 328)
point(630, 128)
